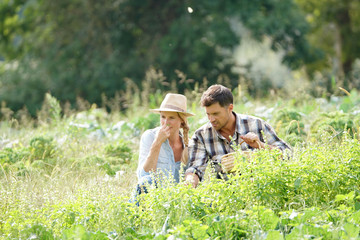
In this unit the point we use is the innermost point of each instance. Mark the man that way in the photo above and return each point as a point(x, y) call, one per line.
point(224, 130)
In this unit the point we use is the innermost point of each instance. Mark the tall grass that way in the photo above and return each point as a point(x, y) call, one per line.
point(70, 174)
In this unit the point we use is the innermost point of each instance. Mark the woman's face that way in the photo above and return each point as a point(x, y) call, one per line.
point(172, 120)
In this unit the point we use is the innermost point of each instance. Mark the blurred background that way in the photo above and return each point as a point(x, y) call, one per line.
point(117, 52)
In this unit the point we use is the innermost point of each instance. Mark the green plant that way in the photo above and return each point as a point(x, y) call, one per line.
point(334, 123)
point(41, 148)
point(289, 123)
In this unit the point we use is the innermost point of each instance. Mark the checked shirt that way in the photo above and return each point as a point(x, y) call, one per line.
point(208, 145)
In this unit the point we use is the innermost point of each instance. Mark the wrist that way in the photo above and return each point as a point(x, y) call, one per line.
point(260, 145)
point(192, 178)
point(157, 143)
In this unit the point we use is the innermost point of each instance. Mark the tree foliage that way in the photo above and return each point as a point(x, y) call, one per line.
point(335, 29)
point(11, 27)
point(76, 48)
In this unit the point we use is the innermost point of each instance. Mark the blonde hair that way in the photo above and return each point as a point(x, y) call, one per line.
point(185, 127)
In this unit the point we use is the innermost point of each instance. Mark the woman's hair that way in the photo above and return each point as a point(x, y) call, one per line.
point(217, 93)
point(185, 127)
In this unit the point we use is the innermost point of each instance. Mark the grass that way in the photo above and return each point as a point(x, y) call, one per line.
point(71, 176)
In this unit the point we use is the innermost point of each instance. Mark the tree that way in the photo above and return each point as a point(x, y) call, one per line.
point(12, 25)
point(87, 48)
point(336, 30)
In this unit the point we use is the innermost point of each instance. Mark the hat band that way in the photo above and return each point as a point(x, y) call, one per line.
point(174, 107)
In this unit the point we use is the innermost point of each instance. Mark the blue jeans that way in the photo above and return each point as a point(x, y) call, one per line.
point(141, 188)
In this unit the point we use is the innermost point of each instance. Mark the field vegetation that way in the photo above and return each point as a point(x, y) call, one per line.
point(69, 174)
point(77, 80)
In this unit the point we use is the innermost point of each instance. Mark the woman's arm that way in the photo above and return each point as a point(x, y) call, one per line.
point(153, 154)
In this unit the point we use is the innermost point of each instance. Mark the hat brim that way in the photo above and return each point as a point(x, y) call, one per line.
point(158, 110)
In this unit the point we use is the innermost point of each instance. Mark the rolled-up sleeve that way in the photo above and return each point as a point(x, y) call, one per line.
point(145, 144)
point(198, 159)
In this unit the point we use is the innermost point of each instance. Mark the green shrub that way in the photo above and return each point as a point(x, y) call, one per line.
point(13, 155)
point(80, 232)
point(36, 231)
point(120, 151)
point(334, 123)
point(149, 121)
point(41, 148)
point(289, 124)
point(40, 155)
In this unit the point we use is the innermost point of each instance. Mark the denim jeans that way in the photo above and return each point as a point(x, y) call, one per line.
point(141, 188)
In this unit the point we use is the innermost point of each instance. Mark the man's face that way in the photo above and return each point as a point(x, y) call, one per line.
point(219, 116)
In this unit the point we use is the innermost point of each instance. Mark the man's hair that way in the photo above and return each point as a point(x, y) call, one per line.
point(217, 93)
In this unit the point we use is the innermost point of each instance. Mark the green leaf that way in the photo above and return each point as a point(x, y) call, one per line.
point(274, 235)
point(351, 230)
point(355, 218)
point(340, 197)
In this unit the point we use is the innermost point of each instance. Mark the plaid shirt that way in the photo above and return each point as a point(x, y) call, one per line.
point(208, 144)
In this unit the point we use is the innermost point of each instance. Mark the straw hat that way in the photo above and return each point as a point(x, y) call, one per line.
point(173, 103)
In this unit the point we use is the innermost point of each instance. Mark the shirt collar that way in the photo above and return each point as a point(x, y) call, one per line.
point(237, 120)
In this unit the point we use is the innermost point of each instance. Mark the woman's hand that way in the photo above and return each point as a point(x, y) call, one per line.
point(162, 134)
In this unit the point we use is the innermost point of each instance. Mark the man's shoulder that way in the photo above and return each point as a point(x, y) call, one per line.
point(201, 134)
point(204, 128)
point(241, 117)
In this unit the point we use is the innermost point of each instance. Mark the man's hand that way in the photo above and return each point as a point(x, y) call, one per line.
point(192, 178)
point(252, 140)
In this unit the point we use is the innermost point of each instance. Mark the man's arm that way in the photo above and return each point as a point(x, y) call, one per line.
point(197, 160)
point(262, 135)
point(272, 139)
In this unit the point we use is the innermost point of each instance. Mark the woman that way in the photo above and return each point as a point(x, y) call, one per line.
point(162, 149)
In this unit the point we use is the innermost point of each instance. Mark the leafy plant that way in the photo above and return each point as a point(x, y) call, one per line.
point(289, 123)
point(334, 123)
point(41, 148)
point(121, 152)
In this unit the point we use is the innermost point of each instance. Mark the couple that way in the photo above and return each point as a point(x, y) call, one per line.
point(163, 149)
